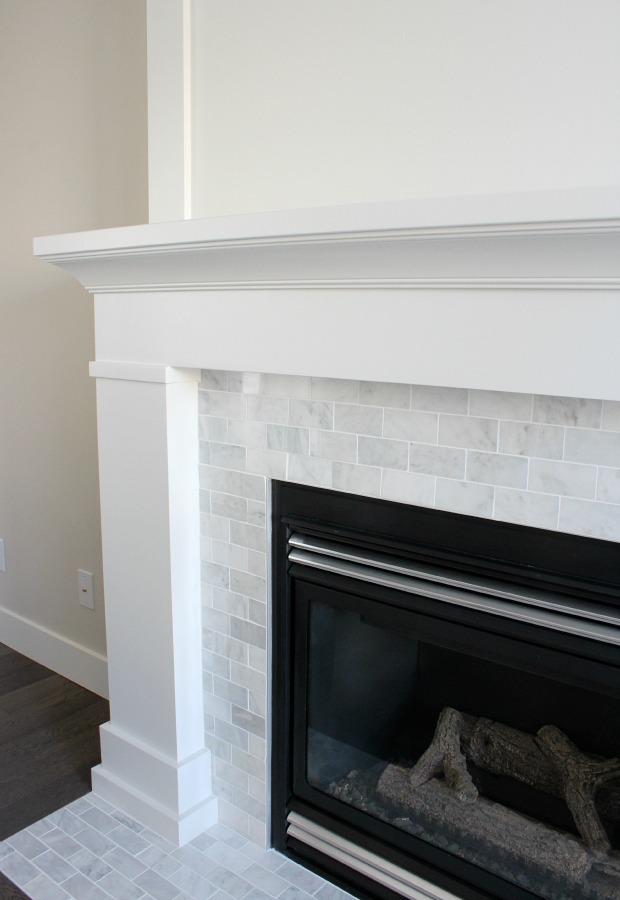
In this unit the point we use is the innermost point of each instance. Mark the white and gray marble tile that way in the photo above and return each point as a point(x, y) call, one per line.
point(465, 497)
point(408, 425)
point(562, 478)
point(500, 405)
point(430, 459)
point(599, 520)
point(567, 411)
point(439, 399)
point(529, 439)
point(469, 432)
point(608, 486)
point(497, 468)
point(379, 393)
point(526, 508)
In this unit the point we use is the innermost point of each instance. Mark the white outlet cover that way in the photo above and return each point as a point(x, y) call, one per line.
point(85, 589)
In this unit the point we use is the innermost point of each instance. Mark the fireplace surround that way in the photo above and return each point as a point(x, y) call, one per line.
point(389, 618)
point(501, 295)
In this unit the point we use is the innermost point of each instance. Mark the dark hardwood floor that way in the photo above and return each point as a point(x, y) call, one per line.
point(49, 741)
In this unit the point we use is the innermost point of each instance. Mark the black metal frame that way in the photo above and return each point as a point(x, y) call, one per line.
point(566, 564)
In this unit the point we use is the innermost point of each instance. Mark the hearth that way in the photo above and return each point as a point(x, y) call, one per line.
point(446, 694)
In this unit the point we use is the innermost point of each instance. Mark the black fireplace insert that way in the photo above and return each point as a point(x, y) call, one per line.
point(446, 699)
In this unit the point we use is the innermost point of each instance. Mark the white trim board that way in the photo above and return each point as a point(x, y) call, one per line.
point(69, 659)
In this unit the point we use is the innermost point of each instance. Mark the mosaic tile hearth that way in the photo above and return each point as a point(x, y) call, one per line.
point(91, 851)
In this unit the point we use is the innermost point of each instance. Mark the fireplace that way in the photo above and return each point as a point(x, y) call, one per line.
point(446, 701)
point(481, 323)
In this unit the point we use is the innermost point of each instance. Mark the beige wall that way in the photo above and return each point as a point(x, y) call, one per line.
point(72, 157)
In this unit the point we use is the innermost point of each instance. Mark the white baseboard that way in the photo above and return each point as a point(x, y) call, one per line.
point(73, 661)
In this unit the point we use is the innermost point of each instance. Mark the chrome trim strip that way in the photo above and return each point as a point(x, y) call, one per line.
point(361, 860)
point(413, 580)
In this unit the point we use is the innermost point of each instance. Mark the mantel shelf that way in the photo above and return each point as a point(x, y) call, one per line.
point(507, 292)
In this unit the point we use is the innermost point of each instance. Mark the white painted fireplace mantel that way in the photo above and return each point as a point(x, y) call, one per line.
point(516, 293)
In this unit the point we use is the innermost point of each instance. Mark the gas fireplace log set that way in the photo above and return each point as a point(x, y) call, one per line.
point(548, 761)
point(446, 702)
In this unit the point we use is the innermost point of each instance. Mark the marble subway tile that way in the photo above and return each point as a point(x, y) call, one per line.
point(240, 484)
point(406, 425)
point(358, 419)
point(611, 415)
point(501, 405)
point(257, 612)
point(309, 470)
point(232, 734)
point(526, 508)
point(227, 553)
point(236, 777)
point(288, 438)
point(229, 647)
point(217, 707)
point(311, 414)
point(267, 409)
point(211, 428)
point(257, 562)
point(248, 632)
point(382, 452)
point(333, 445)
point(248, 434)
point(212, 573)
point(257, 659)
point(567, 411)
point(601, 448)
point(290, 386)
point(248, 763)
point(430, 459)
point(216, 525)
point(256, 512)
point(215, 663)
point(608, 487)
point(250, 536)
point(470, 432)
point(405, 487)
point(438, 399)
point(336, 389)
point(464, 497)
point(586, 517)
point(567, 479)
point(250, 585)
point(233, 693)
point(216, 620)
point(521, 439)
point(222, 404)
point(248, 721)
point(230, 602)
point(248, 677)
point(246, 382)
point(379, 393)
point(497, 468)
point(214, 380)
point(271, 463)
point(357, 479)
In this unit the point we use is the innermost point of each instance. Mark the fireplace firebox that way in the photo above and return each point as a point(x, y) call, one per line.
point(446, 699)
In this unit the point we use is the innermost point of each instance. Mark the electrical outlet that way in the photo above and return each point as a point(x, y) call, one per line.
point(2, 556)
point(85, 589)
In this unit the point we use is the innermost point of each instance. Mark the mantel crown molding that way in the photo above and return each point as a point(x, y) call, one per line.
point(547, 240)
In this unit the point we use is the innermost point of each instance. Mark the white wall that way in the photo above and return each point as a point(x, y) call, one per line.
point(343, 101)
point(72, 157)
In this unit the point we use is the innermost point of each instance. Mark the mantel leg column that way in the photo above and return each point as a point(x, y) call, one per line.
point(155, 765)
